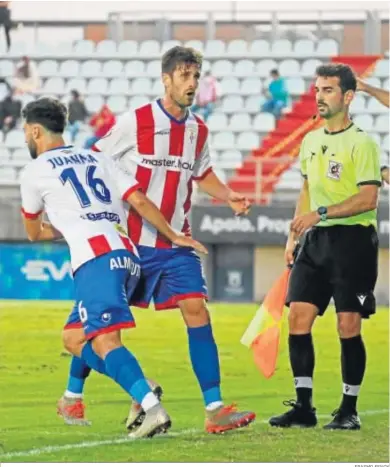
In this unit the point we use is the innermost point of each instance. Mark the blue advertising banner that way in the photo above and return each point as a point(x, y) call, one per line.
point(35, 271)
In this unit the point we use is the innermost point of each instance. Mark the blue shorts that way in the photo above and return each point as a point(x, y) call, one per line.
point(104, 287)
point(168, 276)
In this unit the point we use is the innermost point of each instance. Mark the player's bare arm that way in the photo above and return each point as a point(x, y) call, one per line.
point(213, 186)
point(149, 211)
point(382, 95)
point(365, 200)
point(39, 231)
point(302, 207)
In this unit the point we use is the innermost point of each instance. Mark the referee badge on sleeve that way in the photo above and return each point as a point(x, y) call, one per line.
point(334, 170)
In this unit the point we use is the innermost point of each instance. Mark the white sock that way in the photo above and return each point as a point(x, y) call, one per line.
point(149, 401)
point(303, 382)
point(214, 405)
point(350, 390)
point(72, 395)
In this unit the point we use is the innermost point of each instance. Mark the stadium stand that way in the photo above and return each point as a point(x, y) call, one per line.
point(126, 75)
point(278, 151)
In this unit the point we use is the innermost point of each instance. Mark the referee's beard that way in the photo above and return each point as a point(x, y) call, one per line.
point(327, 113)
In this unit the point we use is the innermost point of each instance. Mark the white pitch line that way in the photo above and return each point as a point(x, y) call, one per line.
point(124, 440)
point(89, 444)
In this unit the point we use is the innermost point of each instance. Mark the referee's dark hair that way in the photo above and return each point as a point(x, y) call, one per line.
point(179, 54)
point(51, 113)
point(343, 72)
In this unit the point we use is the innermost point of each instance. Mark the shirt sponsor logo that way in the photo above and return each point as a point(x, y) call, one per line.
point(334, 170)
point(172, 163)
point(163, 132)
point(98, 216)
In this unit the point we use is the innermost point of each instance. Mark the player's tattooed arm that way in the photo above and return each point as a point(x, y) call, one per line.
point(40, 231)
point(213, 186)
point(149, 211)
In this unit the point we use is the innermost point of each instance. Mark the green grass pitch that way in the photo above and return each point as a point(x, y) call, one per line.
point(33, 374)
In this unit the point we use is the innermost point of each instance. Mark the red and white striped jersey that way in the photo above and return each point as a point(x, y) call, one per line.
point(165, 156)
point(81, 192)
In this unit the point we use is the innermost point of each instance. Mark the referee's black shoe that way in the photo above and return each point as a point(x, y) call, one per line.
point(343, 420)
point(297, 416)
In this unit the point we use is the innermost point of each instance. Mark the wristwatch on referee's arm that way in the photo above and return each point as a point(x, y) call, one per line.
point(323, 212)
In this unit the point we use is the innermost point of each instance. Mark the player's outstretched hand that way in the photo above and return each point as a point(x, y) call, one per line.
point(239, 203)
point(182, 240)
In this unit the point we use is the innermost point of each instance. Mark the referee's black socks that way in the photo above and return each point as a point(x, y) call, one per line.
point(302, 364)
point(353, 364)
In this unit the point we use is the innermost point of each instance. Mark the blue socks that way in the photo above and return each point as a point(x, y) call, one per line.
point(79, 372)
point(80, 368)
point(92, 359)
point(123, 368)
point(205, 362)
point(119, 364)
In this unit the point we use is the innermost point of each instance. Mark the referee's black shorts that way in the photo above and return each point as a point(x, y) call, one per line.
point(339, 262)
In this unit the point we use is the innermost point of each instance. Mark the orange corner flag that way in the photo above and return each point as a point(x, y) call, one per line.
point(263, 333)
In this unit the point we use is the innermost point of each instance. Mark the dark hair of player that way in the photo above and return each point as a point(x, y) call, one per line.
point(179, 55)
point(48, 112)
point(343, 72)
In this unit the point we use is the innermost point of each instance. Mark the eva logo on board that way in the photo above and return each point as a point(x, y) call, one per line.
point(44, 270)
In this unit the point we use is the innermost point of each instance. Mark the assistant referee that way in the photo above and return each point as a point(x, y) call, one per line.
point(337, 212)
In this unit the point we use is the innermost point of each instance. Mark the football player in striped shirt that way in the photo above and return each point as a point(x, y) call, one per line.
point(165, 147)
point(82, 194)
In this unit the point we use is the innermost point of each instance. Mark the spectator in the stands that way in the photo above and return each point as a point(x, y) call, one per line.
point(207, 95)
point(26, 77)
point(101, 123)
point(10, 112)
point(277, 95)
point(5, 21)
point(77, 113)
